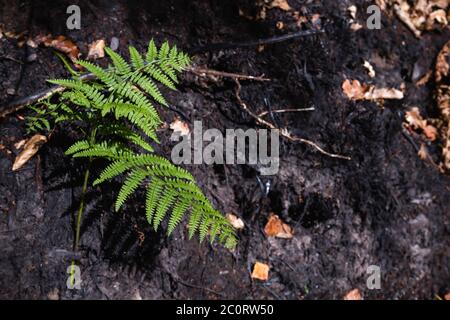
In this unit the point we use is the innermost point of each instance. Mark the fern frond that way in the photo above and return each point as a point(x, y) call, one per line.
point(149, 87)
point(130, 185)
point(95, 96)
point(77, 147)
point(119, 62)
point(112, 151)
point(152, 52)
point(105, 76)
point(153, 192)
point(124, 132)
point(120, 107)
point(177, 214)
point(163, 51)
point(136, 58)
point(165, 202)
point(156, 73)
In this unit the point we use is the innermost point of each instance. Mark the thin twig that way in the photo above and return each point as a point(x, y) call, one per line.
point(255, 43)
point(262, 114)
point(209, 72)
point(283, 132)
point(11, 59)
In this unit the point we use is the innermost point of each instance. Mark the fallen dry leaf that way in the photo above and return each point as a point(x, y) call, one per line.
point(277, 228)
point(442, 77)
point(96, 50)
point(421, 15)
point(60, 43)
point(415, 121)
point(370, 69)
point(235, 221)
point(29, 150)
point(354, 90)
point(423, 152)
point(352, 11)
point(20, 144)
point(179, 126)
point(280, 4)
point(442, 65)
point(424, 80)
point(353, 295)
point(260, 271)
point(356, 26)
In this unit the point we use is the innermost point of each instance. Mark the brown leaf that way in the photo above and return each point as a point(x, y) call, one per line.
point(354, 90)
point(277, 228)
point(423, 152)
point(442, 65)
point(353, 295)
point(280, 4)
point(62, 44)
point(260, 271)
point(370, 69)
point(29, 150)
point(422, 15)
point(235, 221)
point(443, 98)
point(20, 144)
point(96, 50)
point(415, 121)
point(179, 126)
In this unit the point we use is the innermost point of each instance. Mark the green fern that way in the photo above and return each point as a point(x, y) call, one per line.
point(118, 111)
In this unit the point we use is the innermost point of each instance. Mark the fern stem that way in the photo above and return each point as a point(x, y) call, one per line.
point(83, 194)
point(81, 207)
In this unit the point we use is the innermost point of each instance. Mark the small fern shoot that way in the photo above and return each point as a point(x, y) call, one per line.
point(118, 114)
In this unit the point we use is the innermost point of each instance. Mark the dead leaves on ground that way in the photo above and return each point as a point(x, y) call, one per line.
point(436, 129)
point(277, 228)
point(235, 221)
point(60, 43)
point(354, 90)
point(260, 271)
point(30, 148)
point(96, 50)
point(415, 121)
point(180, 126)
point(422, 15)
point(263, 6)
point(442, 78)
point(354, 294)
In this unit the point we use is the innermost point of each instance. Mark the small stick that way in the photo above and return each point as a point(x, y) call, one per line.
point(209, 72)
point(262, 114)
point(283, 132)
point(271, 40)
point(11, 59)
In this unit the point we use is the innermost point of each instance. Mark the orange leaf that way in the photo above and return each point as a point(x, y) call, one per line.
point(29, 150)
point(235, 221)
point(260, 271)
point(276, 228)
point(353, 295)
point(62, 44)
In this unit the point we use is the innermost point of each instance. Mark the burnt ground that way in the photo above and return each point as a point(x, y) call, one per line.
point(385, 207)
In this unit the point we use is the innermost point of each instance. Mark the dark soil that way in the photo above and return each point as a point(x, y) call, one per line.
point(385, 207)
